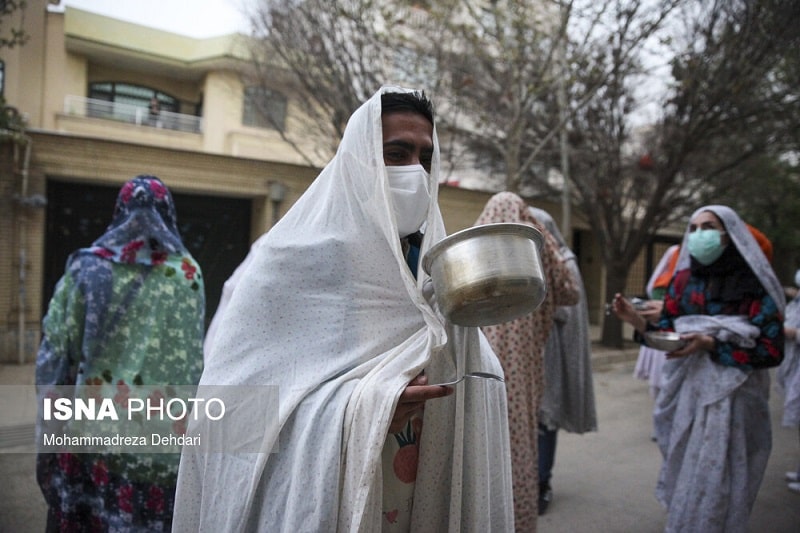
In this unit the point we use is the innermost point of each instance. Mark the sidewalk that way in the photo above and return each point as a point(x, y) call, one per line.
point(22, 508)
point(603, 481)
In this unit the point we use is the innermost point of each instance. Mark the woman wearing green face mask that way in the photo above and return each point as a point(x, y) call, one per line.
point(712, 414)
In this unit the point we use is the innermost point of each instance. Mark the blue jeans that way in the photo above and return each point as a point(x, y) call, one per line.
point(547, 453)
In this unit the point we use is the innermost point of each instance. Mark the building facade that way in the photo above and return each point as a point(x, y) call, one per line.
point(105, 100)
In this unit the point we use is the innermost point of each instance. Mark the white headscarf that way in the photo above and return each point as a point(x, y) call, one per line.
point(327, 309)
point(709, 418)
point(748, 247)
point(660, 268)
point(568, 400)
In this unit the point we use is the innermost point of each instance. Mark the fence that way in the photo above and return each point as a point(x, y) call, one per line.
point(132, 114)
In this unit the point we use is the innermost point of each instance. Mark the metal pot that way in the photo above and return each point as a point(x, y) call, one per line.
point(487, 274)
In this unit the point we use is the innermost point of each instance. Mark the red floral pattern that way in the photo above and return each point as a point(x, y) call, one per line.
point(520, 345)
point(127, 505)
point(126, 192)
point(123, 394)
point(688, 295)
point(103, 252)
point(125, 498)
point(100, 473)
point(159, 191)
point(155, 499)
point(188, 268)
point(69, 464)
point(130, 250)
point(158, 258)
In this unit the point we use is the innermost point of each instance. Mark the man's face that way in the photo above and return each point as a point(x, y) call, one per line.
point(407, 139)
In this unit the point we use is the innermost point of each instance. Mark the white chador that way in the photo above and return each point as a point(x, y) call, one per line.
point(712, 421)
point(326, 309)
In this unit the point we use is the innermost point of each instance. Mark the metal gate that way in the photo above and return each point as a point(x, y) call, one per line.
point(215, 230)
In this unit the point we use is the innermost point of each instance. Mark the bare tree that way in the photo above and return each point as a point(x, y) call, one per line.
point(15, 36)
point(720, 111)
point(11, 122)
point(330, 55)
point(489, 65)
point(768, 185)
point(769, 198)
point(496, 68)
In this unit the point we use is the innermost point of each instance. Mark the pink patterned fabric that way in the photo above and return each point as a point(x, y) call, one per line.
point(520, 346)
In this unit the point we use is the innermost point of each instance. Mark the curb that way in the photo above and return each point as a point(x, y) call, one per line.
point(604, 357)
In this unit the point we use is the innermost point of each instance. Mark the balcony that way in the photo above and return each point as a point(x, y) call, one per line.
point(78, 106)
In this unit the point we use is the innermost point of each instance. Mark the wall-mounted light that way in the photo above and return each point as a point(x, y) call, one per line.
point(277, 191)
point(277, 194)
point(35, 200)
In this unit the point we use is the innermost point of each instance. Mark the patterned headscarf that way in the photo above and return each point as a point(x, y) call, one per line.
point(144, 227)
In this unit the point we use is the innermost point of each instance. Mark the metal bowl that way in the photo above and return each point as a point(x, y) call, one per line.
point(666, 341)
point(487, 274)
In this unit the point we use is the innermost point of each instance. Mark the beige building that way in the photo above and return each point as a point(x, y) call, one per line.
point(105, 100)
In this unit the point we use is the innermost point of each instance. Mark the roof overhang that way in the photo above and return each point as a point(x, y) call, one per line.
point(109, 41)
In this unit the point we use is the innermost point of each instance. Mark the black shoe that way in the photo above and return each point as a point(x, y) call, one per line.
point(545, 497)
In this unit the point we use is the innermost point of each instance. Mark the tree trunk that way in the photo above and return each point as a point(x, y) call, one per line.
point(616, 276)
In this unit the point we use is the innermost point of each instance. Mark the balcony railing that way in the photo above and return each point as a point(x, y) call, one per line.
point(132, 114)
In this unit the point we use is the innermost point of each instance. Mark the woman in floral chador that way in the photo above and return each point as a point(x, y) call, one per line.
point(127, 314)
point(712, 414)
point(520, 344)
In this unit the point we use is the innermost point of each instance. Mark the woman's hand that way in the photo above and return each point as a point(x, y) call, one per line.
point(696, 342)
point(623, 308)
point(652, 311)
point(412, 400)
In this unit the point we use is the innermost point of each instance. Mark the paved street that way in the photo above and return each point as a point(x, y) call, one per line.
point(603, 482)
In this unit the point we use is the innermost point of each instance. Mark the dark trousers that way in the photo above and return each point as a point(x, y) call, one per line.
point(547, 453)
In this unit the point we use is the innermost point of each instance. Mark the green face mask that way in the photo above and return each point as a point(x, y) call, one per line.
point(705, 245)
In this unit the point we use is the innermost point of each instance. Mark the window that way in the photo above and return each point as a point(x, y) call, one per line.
point(136, 95)
point(264, 108)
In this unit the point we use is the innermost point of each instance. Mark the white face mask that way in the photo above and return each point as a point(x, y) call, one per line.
point(410, 196)
point(797, 279)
